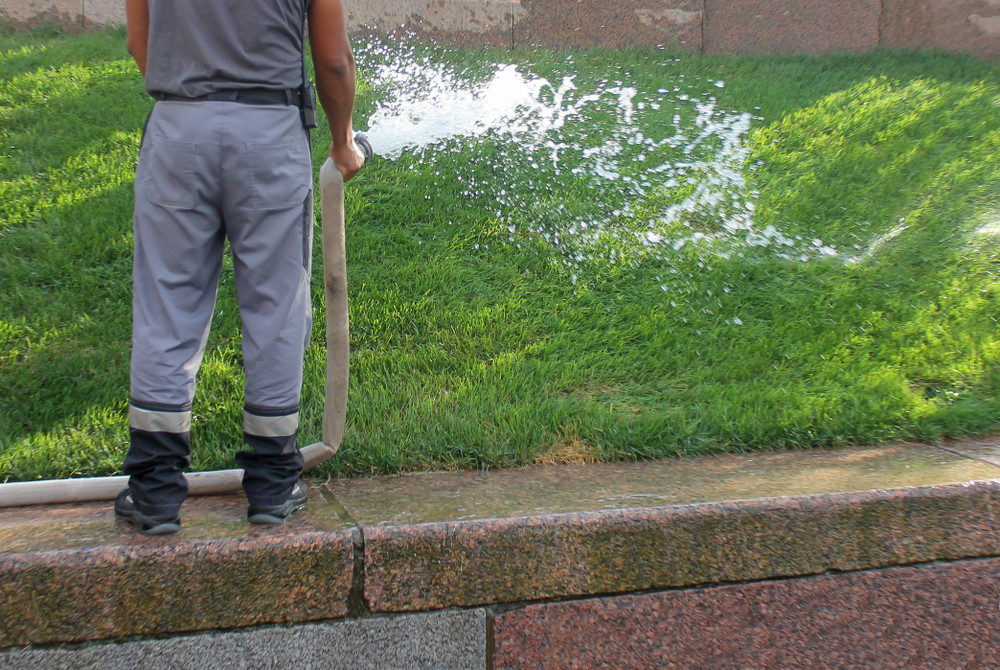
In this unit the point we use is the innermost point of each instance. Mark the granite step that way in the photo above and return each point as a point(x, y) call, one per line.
point(432, 541)
point(437, 540)
point(73, 573)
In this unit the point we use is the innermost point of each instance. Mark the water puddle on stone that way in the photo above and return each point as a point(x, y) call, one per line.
point(598, 172)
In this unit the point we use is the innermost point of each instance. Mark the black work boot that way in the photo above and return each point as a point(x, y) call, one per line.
point(272, 464)
point(159, 444)
point(147, 525)
point(273, 515)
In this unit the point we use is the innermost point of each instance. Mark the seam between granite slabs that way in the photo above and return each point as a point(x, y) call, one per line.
point(357, 606)
point(964, 455)
point(701, 25)
point(513, 40)
point(880, 26)
point(490, 637)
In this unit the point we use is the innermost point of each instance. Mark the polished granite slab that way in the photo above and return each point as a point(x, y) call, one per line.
point(436, 540)
point(72, 572)
point(938, 615)
point(558, 489)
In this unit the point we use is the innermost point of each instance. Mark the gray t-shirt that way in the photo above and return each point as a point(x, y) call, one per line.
point(201, 46)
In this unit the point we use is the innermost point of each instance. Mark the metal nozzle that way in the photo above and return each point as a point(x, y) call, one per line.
point(361, 140)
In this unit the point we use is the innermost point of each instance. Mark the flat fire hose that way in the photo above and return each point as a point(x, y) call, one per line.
point(212, 482)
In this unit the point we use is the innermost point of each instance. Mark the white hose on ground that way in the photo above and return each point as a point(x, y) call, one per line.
point(331, 182)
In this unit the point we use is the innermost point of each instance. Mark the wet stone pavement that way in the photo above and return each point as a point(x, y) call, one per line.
point(527, 544)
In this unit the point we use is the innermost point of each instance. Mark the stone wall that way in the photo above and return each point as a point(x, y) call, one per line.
point(858, 557)
point(703, 26)
point(939, 615)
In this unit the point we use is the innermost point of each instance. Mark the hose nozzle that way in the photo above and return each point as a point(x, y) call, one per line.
point(361, 140)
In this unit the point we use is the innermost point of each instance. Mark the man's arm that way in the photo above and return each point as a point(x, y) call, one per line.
point(334, 62)
point(137, 22)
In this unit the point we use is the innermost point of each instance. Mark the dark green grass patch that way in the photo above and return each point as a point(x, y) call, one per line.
point(470, 351)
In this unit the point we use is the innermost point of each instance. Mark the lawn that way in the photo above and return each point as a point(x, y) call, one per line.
point(843, 291)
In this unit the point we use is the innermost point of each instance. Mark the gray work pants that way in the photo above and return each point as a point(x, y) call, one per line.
point(210, 171)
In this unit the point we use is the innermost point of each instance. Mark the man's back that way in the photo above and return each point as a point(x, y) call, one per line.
point(198, 47)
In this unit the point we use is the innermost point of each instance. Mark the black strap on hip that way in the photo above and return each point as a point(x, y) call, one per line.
point(307, 95)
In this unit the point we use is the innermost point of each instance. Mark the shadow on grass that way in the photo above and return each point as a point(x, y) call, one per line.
point(65, 349)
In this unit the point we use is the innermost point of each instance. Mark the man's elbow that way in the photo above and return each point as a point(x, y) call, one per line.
point(339, 66)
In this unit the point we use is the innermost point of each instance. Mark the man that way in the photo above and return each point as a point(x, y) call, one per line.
point(225, 155)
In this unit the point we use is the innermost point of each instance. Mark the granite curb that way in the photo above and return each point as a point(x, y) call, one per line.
point(432, 566)
point(72, 573)
point(103, 593)
point(432, 541)
point(435, 540)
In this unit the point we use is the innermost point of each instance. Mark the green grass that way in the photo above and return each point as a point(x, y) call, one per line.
point(469, 351)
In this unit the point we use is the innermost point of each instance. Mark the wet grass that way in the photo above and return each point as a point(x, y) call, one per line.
point(472, 352)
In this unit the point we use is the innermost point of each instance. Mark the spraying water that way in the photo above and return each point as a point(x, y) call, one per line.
point(650, 174)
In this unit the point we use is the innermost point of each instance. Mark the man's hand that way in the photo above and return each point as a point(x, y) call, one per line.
point(348, 158)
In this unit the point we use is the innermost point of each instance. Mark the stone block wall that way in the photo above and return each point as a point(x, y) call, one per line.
point(857, 557)
point(700, 26)
point(791, 26)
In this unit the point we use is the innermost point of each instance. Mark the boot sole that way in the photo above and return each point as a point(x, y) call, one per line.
point(265, 519)
point(165, 528)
